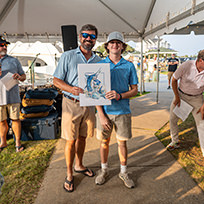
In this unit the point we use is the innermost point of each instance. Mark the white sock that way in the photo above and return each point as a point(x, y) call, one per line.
point(104, 166)
point(123, 169)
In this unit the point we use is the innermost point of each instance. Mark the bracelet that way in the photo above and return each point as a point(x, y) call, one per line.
point(119, 97)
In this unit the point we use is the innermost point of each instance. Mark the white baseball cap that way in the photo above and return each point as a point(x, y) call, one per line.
point(115, 36)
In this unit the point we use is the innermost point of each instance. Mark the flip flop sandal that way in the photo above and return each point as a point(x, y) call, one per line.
point(85, 172)
point(19, 148)
point(1, 148)
point(69, 183)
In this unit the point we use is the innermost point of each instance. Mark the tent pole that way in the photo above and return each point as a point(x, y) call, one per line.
point(158, 49)
point(141, 67)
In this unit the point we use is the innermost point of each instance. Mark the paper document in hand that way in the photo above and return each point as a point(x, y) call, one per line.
point(183, 111)
point(3, 99)
point(8, 81)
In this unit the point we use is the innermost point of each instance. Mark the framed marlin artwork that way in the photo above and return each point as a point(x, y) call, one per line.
point(94, 79)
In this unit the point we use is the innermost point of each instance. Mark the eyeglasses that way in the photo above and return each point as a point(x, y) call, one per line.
point(86, 35)
point(3, 44)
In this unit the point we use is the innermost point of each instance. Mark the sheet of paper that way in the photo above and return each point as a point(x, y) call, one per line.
point(183, 111)
point(3, 100)
point(8, 81)
point(94, 79)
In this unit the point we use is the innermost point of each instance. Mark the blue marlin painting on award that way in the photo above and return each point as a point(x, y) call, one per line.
point(94, 79)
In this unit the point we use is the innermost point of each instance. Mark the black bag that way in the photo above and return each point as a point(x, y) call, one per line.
point(48, 93)
point(36, 109)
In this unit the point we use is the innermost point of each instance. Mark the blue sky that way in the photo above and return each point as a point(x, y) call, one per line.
point(185, 44)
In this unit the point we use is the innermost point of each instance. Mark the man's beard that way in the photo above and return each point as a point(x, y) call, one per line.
point(3, 53)
point(87, 47)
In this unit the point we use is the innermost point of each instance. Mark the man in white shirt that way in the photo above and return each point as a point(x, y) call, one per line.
point(190, 90)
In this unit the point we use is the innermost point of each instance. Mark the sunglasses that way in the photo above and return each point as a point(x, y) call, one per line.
point(3, 44)
point(86, 35)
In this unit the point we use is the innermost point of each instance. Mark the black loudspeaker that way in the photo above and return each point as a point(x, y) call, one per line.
point(69, 37)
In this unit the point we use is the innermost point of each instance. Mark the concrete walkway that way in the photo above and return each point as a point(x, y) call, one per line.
point(158, 177)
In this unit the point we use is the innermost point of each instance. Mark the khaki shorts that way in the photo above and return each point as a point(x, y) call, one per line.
point(76, 120)
point(11, 110)
point(122, 125)
point(170, 75)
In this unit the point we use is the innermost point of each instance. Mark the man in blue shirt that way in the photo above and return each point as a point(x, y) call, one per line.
point(77, 122)
point(118, 115)
point(10, 100)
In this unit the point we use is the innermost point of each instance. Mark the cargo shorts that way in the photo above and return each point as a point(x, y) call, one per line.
point(170, 74)
point(77, 120)
point(122, 125)
point(11, 110)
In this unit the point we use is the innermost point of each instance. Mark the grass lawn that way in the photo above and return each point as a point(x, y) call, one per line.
point(138, 94)
point(23, 172)
point(189, 155)
point(164, 72)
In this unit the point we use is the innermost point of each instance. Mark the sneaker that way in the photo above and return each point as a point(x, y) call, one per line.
point(173, 145)
point(127, 181)
point(169, 87)
point(102, 176)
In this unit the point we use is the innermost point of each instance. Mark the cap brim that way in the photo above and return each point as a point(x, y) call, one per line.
point(115, 39)
point(6, 42)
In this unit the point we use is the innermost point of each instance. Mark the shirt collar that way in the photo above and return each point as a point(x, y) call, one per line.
point(122, 60)
point(3, 57)
point(199, 73)
point(79, 51)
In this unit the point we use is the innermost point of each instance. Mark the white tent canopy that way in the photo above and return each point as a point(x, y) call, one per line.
point(31, 20)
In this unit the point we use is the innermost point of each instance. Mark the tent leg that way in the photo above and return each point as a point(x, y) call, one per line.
point(141, 68)
point(158, 49)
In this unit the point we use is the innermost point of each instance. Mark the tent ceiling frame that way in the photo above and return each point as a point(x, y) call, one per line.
point(6, 9)
point(148, 16)
point(45, 37)
point(120, 17)
point(198, 8)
